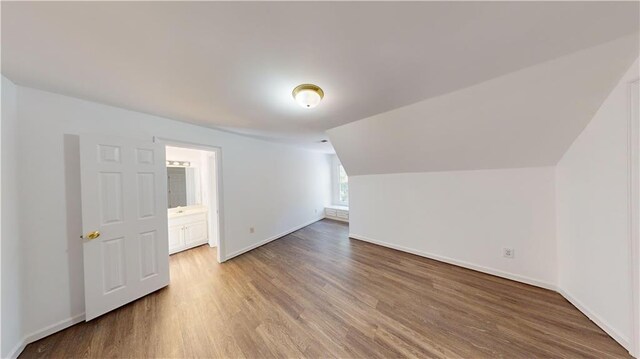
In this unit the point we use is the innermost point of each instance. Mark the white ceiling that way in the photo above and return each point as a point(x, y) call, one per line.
point(233, 65)
point(527, 118)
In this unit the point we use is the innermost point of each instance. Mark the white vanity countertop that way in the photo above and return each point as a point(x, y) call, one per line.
point(185, 211)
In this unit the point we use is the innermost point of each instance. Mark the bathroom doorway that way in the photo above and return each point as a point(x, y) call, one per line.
point(193, 197)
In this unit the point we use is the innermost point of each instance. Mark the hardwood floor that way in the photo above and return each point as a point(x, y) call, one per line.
point(316, 293)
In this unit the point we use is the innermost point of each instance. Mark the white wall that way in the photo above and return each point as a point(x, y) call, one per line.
point(463, 217)
point(12, 267)
point(272, 187)
point(527, 119)
point(593, 216)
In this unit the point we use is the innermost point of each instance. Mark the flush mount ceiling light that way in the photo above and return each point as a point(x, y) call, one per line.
point(308, 95)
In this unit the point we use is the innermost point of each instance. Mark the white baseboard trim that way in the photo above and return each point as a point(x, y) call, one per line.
point(596, 319)
point(65, 323)
point(13, 354)
point(479, 268)
point(263, 242)
point(337, 219)
point(44, 332)
point(576, 303)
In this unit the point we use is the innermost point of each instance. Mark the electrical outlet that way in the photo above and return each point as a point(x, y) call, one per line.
point(507, 252)
point(252, 230)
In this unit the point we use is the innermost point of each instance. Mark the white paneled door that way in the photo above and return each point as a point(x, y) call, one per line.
point(124, 218)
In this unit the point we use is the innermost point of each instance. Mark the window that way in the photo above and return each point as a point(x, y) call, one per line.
point(343, 186)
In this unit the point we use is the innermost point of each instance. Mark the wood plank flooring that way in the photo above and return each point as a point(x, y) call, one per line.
point(316, 293)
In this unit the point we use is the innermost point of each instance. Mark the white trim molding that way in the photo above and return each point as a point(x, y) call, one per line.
point(65, 323)
point(625, 342)
point(634, 212)
point(459, 263)
point(44, 332)
point(270, 239)
point(596, 319)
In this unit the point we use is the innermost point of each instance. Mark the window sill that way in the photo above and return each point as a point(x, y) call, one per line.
point(338, 206)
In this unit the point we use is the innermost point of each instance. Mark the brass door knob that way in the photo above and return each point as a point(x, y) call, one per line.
point(92, 235)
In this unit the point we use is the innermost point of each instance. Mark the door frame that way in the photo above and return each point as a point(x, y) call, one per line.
point(634, 210)
point(217, 168)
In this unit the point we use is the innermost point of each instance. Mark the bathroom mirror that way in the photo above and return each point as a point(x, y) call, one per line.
point(183, 187)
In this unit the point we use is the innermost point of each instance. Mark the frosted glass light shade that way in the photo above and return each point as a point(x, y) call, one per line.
point(307, 95)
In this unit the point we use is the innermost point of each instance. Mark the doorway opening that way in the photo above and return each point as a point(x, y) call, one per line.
point(193, 197)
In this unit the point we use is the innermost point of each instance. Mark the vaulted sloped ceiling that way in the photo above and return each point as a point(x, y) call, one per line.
point(233, 65)
point(526, 118)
